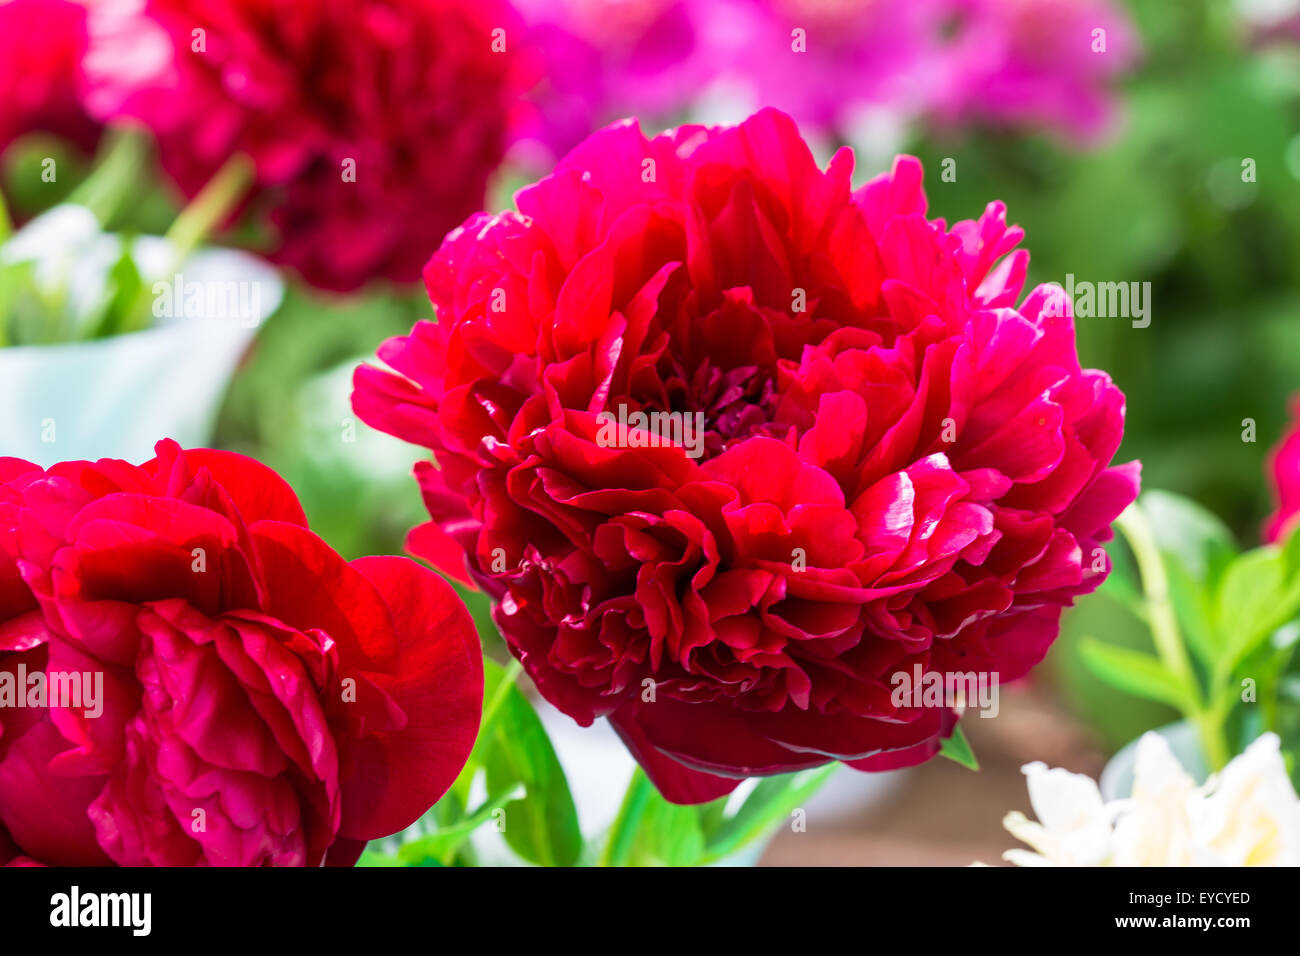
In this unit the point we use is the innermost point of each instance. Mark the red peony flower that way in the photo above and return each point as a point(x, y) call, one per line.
point(373, 124)
point(41, 46)
point(896, 466)
point(229, 690)
point(1284, 467)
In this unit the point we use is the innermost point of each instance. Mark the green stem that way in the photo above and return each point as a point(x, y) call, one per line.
point(1166, 635)
point(196, 222)
point(7, 274)
point(491, 710)
point(116, 174)
point(499, 695)
point(1155, 586)
point(6, 224)
point(211, 206)
point(622, 835)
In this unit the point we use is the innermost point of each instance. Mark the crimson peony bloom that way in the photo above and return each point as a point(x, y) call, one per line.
point(41, 46)
point(373, 124)
point(232, 691)
point(1284, 469)
point(899, 466)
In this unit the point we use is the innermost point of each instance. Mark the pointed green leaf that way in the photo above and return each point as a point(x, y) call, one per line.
point(957, 748)
point(543, 826)
point(768, 806)
point(1194, 535)
point(1134, 672)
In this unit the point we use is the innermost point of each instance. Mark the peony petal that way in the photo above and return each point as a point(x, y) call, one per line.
point(438, 683)
point(309, 586)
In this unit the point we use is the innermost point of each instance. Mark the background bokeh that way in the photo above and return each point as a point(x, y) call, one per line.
point(1203, 91)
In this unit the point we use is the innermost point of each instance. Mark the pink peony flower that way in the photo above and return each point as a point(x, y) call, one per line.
point(41, 45)
point(1023, 63)
point(374, 125)
point(875, 459)
point(235, 693)
point(1284, 469)
point(1039, 64)
point(603, 60)
point(1032, 63)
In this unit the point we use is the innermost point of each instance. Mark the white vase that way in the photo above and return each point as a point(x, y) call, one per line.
point(116, 397)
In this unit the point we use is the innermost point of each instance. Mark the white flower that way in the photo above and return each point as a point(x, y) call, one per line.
point(1248, 815)
point(1074, 827)
point(1153, 827)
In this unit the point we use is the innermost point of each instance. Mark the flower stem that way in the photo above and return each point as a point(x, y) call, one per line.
point(499, 695)
point(116, 173)
point(623, 833)
point(205, 212)
point(1166, 634)
point(6, 224)
point(211, 206)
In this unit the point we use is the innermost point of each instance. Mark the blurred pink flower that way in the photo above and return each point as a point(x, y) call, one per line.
point(409, 94)
point(1037, 63)
point(1284, 470)
point(602, 59)
point(41, 45)
point(1032, 62)
point(1266, 22)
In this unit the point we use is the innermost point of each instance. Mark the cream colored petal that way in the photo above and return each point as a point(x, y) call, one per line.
point(1248, 815)
point(1153, 827)
point(1025, 858)
point(1063, 800)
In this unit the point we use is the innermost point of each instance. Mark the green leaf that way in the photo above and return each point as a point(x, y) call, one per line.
point(542, 827)
point(957, 748)
point(1291, 554)
point(1134, 672)
point(1181, 527)
point(29, 314)
point(769, 805)
point(436, 848)
point(375, 858)
point(668, 835)
point(621, 839)
point(1122, 584)
point(1115, 715)
point(1256, 597)
point(1192, 607)
point(6, 224)
point(122, 309)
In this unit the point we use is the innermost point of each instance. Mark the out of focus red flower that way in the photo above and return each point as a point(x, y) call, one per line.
point(373, 124)
point(41, 46)
point(243, 695)
point(896, 466)
point(1284, 469)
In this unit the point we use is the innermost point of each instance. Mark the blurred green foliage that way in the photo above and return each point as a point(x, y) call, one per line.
point(1164, 202)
